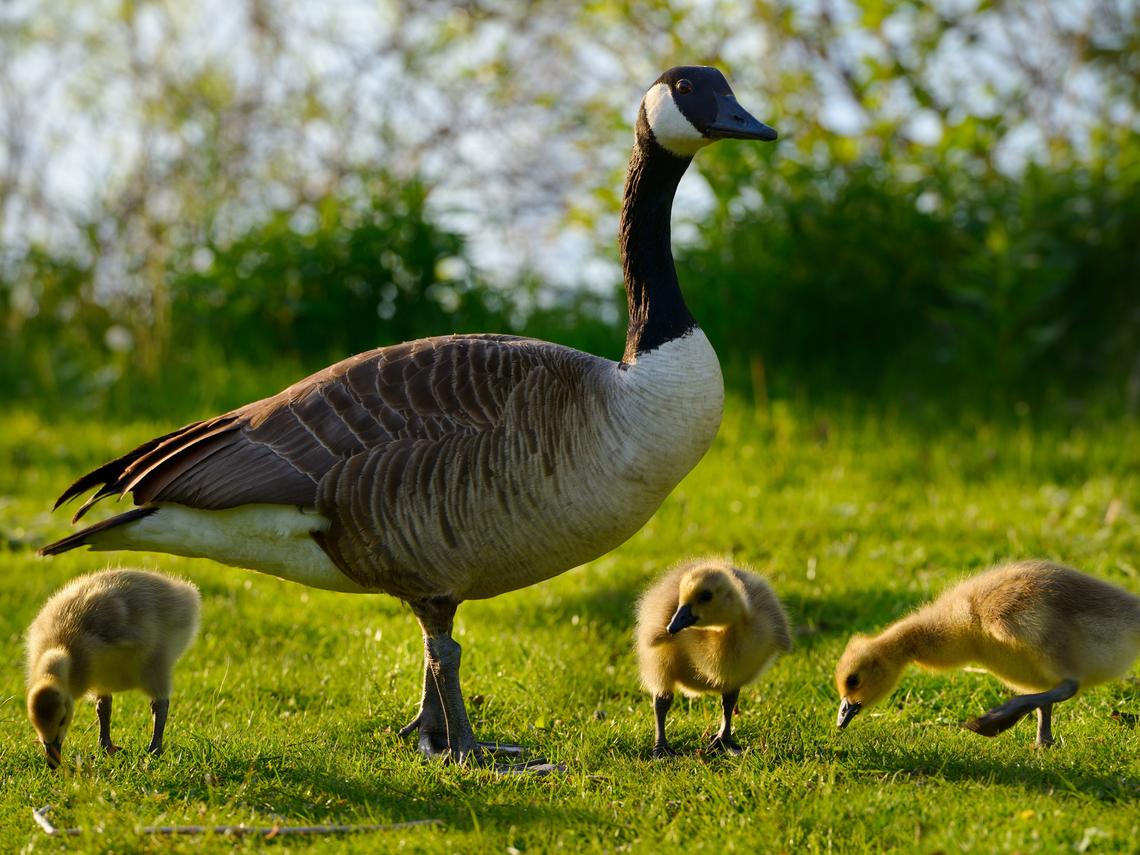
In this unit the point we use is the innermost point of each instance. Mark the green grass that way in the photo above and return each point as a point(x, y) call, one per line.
point(287, 706)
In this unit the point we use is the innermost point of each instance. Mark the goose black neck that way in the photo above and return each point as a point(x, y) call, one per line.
point(657, 311)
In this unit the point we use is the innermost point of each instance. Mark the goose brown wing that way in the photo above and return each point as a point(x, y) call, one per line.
point(277, 449)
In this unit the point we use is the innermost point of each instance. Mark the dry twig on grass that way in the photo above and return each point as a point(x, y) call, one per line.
point(268, 832)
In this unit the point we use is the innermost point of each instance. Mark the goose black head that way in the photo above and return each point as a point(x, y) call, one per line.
point(690, 106)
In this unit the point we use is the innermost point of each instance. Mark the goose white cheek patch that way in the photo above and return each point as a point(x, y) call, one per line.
point(670, 127)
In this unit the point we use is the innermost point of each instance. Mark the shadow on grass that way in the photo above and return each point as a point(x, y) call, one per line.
point(911, 762)
point(278, 787)
point(613, 606)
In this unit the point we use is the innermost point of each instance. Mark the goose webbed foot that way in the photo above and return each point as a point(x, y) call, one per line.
point(663, 750)
point(724, 744)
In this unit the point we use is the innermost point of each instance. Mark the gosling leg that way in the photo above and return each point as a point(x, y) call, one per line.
point(103, 711)
point(723, 741)
point(158, 709)
point(1045, 726)
point(1005, 716)
point(661, 746)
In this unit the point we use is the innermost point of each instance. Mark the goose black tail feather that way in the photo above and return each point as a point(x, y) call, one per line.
point(110, 472)
point(81, 538)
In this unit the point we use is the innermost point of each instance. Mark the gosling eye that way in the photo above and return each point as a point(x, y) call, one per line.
point(683, 86)
point(704, 596)
point(852, 681)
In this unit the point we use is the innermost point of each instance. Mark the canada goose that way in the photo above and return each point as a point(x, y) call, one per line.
point(707, 626)
point(102, 633)
point(458, 467)
point(1036, 626)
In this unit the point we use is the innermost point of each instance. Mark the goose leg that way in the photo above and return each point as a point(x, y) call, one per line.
point(429, 720)
point(444, 729)
point(159, 709)
point(723, 741)
point(103, 711)
point(661, 746)
point(1005, 716)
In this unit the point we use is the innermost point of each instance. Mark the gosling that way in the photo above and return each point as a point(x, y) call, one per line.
point(707, 627)
point(1038, 627)
point(102, 633)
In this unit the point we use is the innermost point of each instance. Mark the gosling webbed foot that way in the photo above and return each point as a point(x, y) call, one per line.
point(1004, 716)
point(159, 708)
point(1000, 718)
point(103, 705)
point(723, 741)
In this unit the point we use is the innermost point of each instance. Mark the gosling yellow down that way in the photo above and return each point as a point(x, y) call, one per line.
point(707, 627)
point(103, 633)
point(1039, 627)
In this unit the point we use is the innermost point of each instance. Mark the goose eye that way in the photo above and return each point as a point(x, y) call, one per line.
point(683, 86)
point(852, 681)
point(704, 596)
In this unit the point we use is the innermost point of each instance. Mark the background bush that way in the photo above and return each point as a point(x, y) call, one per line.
point(951, 213)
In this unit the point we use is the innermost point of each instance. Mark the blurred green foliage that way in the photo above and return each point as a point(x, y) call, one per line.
point(849, 277)
point(846, 281)
point(952, 210)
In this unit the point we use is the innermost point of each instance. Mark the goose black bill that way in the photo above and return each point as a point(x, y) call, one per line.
point(847, 711)
point(733, 122)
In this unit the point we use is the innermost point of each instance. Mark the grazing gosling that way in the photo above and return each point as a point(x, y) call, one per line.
point(1036, 626)
point(102, 633)
point(704, 627)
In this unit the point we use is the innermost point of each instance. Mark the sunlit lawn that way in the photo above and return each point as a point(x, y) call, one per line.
point(286, 710)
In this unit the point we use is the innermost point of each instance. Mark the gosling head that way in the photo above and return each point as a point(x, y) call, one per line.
point(50, 709)
point(864, 676)
point(707, 597)
point(690, 106)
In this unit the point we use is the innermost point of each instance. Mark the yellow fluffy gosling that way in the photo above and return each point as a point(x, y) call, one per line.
point(1036, 626)
point(103, 633)
point(705, 627)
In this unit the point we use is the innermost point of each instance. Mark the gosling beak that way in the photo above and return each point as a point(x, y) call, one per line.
point(735, 123)
point(54, 751)
point(682, 618)
point(847, 711)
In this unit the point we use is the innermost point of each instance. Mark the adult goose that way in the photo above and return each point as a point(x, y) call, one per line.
point(458, 467)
